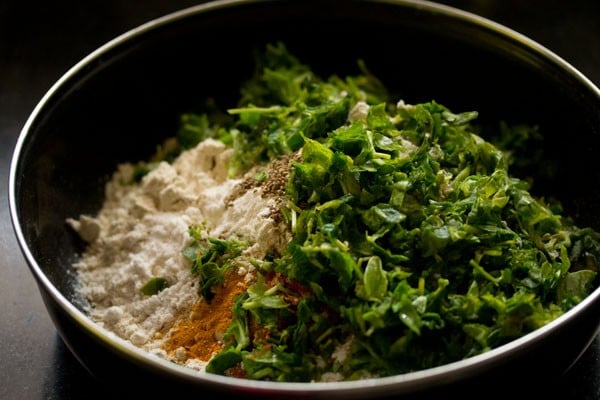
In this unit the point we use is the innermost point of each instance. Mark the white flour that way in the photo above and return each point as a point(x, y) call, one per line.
point(142, 228)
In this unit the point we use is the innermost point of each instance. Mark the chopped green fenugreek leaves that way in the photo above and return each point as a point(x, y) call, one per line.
point(154, 285)
point(413, 246)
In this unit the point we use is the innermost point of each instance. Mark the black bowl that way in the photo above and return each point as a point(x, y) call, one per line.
point(123, 99)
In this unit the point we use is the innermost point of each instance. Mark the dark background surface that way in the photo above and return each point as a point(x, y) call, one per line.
point(39, 42)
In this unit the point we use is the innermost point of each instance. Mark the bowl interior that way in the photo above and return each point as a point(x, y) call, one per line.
point(122, 101)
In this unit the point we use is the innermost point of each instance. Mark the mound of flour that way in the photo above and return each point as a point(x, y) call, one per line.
point(142, 227)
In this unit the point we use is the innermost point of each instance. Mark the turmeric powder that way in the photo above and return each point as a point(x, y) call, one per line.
point(201, 335)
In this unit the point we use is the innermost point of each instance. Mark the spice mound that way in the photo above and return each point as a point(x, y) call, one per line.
point(134, 273)
point(321, 230)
